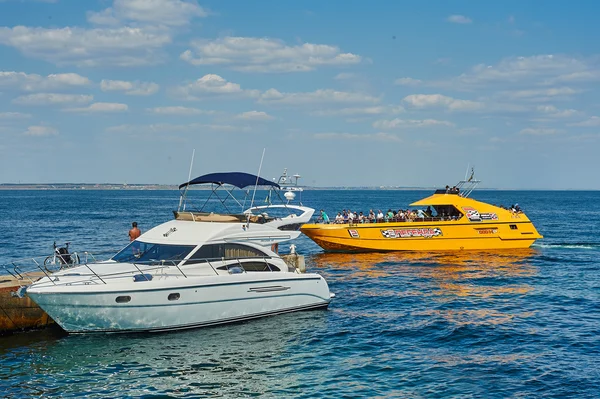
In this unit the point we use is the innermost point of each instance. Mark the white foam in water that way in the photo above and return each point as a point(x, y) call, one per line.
point(573, 246)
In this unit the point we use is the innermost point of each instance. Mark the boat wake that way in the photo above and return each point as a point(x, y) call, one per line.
point(570, 245)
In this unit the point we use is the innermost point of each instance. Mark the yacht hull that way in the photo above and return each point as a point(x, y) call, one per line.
point(422, 236)
point(156, 306)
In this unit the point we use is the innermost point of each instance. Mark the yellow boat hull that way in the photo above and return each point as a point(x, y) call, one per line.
point(422, 236)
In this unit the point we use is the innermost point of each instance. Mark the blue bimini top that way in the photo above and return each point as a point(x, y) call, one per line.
point(237, 179)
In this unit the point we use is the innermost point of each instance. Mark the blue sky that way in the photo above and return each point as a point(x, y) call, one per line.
point(345, 93)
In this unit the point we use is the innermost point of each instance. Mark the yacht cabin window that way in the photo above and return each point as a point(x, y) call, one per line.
point(253, 267)
point(226, 251)
point(143, 252)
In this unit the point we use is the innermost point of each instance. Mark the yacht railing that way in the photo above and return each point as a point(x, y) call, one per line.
point(147, 270)
point(392, 220)
point(32, 268)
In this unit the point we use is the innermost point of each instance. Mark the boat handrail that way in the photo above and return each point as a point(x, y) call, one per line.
point(172, 264)
point(28, 269)
point(466, 187)
point(221, 217)
point(393, 220)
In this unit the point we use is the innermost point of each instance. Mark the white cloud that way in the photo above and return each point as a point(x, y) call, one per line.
point(123, 46)
point(34, 82)
point(540, 131)
point(345, 76)
point(543, 93)
point(14, 115)
point(53, 99)
point(174, 128)
point(135, 88)
point(254, 116)
point(376, 110)
point(409, 123)
point(407, 82)
point(178, 110)
point(459, 19)
point(210, 86)
point(272, 96)
point(553, 112)
point(439, 100)
point(154, 12)
point(250, 54)
point(39, 131)
point(101, 107)
point(381, 136)
point(104, 17)
point(538, 69)
point(593, 121)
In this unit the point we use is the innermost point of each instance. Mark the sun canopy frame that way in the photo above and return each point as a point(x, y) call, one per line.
point(227, 182)
point(237, 179)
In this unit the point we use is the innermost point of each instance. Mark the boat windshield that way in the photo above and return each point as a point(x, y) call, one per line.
point(143, 252)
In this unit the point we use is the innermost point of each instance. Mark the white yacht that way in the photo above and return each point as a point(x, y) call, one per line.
point(198, 270)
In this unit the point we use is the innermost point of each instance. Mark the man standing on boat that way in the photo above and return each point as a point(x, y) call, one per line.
point(134, 232)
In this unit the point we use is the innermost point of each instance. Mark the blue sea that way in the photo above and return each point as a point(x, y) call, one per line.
point(510, 324)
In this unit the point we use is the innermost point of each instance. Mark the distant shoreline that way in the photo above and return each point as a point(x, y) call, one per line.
point(75, 186)
point(139, 187)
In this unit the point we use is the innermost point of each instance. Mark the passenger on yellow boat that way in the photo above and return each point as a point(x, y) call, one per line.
point(371, 216)
point(324, 217)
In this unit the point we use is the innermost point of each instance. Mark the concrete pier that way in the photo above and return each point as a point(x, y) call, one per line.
point(19, 314)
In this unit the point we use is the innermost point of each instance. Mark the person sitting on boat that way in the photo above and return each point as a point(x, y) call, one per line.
point(361, 217)
point(428, 212)
point(345, 216)
point(420, 214)
point(390, 214)
point(372, 217)
point(400, 215)
point(324, 217)
point(379, 216)
point(517, 208)
point(339, 218)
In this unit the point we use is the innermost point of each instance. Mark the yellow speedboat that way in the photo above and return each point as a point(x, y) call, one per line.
point(458, 223)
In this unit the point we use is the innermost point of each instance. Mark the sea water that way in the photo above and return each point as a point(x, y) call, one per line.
point(508, 324)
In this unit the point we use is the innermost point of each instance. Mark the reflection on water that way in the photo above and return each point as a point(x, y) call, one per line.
point(462, 288)
point(245, 359)
point(374, 264)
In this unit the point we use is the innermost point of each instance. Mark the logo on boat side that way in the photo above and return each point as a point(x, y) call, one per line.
point(474, 216)
point(407, 233)
point(489, 216)
point(354, 233)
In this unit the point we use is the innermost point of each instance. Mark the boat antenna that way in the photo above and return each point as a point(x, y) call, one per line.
point(257, 177)
point(467, 172)
point(184, 196)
